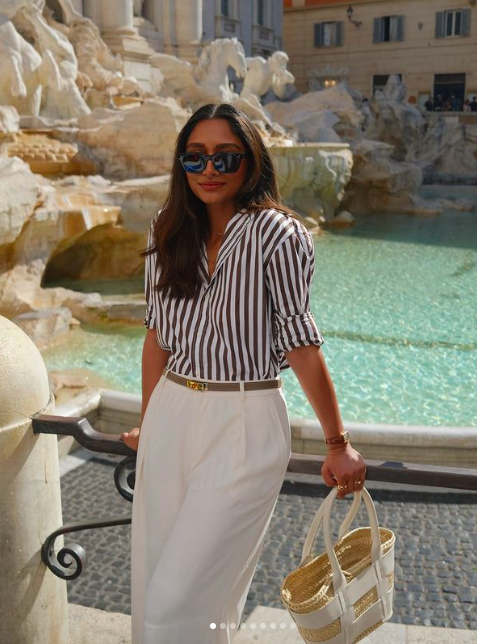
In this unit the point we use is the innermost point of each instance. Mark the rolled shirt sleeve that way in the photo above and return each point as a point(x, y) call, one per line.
point(150, 319)
point(289, 273)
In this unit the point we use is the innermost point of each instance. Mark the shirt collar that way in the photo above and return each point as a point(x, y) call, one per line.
point(232, 234)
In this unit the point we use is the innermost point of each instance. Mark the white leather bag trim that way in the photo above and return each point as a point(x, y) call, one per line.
point(358, 587)
point(370, 577)
point(321, 617)
point(375, 613)
point(370, 617)
point(347, 617)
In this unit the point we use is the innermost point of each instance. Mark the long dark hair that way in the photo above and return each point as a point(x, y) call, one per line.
point(184, 222)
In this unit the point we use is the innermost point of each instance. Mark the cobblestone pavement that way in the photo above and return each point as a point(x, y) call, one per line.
point(435, 551)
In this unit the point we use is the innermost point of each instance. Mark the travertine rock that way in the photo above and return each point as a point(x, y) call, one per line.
point(136, 142)
point(379, 183)
point(19, 195)
point(44, 325)
point(446, 152)
point(9, 120)
point(395, 121)
point(343, 220)
point(312, 177)
point(320, 116)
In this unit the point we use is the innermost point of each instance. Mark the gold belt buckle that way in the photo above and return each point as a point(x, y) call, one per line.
point(194, 384)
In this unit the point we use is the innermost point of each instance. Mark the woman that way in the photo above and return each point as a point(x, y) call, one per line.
point(227, 309)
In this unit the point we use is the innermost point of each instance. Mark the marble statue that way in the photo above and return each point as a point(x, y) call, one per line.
point(206, 81)
point(95, 60)
point(19, 62)
point(39, 78)
point(61, 96)
point(265, 75)
point(265, 78)
point(19, 65)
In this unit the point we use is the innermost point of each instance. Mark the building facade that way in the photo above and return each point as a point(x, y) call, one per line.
point(258, 24)
point(175, 26)
point(430, 44)
point(138, 28)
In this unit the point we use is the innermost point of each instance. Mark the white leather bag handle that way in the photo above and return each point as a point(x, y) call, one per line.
point(313, 531)
point(323, 516)
point(352, 512)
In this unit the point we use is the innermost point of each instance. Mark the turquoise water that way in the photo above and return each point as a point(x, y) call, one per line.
point(395, 298)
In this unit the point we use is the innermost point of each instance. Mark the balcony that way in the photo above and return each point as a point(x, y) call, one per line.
point(226, 27)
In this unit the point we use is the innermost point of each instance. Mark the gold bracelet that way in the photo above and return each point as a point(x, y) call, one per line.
point(335, 440)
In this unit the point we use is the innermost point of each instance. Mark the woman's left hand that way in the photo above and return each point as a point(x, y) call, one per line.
point(343, 465)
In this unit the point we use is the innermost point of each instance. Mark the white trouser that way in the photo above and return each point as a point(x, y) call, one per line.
point(210, 466)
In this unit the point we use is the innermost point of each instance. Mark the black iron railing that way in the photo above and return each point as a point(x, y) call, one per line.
point(69, 562)
point(124, 474)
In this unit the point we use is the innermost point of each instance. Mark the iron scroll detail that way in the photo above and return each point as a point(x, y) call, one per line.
point(68, 563)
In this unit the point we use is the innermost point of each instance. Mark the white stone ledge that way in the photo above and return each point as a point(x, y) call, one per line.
point(381, 434)
point(113, 411)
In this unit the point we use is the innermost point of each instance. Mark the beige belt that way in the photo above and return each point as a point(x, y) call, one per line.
point(203, 385)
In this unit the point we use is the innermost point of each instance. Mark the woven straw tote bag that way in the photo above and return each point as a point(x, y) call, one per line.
point(344, 594)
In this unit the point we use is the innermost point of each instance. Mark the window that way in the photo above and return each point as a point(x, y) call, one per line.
point(388, 29)
point(379, 81)
point(261, 12)
point(328, 34)
point(225, 8)
point(449, 92)
point(451, 24)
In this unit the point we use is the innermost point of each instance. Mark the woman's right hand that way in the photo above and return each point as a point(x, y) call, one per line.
point(131, 439)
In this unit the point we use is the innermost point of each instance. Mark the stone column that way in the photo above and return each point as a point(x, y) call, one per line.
point(188, 28)
point(92, 9)
point(169, 27)
point(117, 15)
point(78, 5)
point(120, 34)
point(33, 601)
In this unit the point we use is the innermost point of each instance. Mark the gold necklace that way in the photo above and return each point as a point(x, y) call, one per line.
point(218, 234)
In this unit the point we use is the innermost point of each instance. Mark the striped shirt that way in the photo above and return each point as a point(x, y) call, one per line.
point(253, 308)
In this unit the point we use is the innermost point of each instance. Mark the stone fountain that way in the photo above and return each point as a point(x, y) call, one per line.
point(82, 172)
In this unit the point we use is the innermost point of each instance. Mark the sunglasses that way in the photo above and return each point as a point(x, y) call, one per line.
point(195, 162)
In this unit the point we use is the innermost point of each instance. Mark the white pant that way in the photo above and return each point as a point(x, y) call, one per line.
point(210, 466)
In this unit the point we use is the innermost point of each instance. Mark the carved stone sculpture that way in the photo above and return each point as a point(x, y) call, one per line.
point(19, 63)
point(59, 69)
point(207, 80)
point(265, 75)
point(96, 62)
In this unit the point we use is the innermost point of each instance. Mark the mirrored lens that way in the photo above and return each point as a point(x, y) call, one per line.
point(226, 162)
point(193, 162)
point(223, 162)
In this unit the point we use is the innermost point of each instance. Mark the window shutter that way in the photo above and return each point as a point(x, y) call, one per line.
point(339, 33)
point(466, 22)
point(440, 24)
point(400, 28)
point(377, 30)
point(319, 28)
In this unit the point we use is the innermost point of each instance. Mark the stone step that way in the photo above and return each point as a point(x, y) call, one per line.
point(102, 627)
